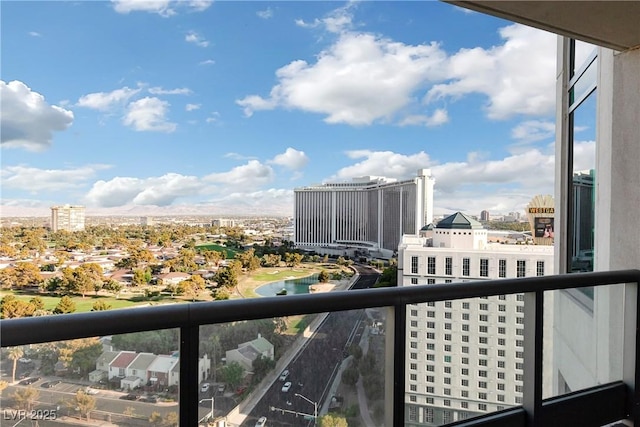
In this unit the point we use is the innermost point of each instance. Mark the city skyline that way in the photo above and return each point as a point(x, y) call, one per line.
point(212, 117)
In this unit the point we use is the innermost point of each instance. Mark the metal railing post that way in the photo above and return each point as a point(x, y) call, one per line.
point(630, 353)
point(399, 356)
point(189, 339)
point(533, 349)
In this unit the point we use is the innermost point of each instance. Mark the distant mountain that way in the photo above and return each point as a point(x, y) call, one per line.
point(177, 210)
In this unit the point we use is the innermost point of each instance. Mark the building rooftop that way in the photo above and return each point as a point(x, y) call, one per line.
point(459, 221)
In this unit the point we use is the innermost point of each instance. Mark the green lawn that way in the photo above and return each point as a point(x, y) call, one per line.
point(280, 274)
point(82, 304)
point(231, 253)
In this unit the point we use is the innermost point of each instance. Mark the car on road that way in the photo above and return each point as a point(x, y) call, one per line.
point(286, 386)
point(221, 388)
point(149, 399)
point(90, 390)
point(130, 396)
point(29, 381)
point(205, 387)
point(262, 421)
point(50, 384)
point(24, 360)
point(284, 375)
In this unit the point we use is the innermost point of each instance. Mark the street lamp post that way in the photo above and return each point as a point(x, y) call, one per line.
point(211, 399)
point(315, 407)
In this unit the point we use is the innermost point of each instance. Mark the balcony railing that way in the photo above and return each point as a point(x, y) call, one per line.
point(593, 407)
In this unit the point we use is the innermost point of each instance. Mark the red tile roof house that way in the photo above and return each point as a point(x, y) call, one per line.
point(118, 366)
point(173, 278)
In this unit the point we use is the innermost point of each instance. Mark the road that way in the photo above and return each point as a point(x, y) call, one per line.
point(313, 369)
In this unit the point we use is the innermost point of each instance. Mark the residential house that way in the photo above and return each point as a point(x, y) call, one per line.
point(159, 371)
point(249, 351)
point(136, 373)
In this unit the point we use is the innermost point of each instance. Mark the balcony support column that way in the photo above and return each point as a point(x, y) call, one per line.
point(189, 339)
point(533, 350)
point(630, 354)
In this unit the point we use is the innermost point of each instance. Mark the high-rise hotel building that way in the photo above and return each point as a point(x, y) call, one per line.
point(370, 213)
point(465, 357)
point(67, 217)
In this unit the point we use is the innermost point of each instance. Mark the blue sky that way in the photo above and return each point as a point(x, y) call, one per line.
point(158, 107)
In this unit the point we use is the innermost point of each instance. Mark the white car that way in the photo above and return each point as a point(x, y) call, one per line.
point(284, 375)
point(205, 387)
point(90, 390)
point(262, 421)
point(286, 386)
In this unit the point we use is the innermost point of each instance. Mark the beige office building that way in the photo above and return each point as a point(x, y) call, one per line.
point(67, 217)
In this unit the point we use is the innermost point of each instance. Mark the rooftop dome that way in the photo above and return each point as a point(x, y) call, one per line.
point(459, 221)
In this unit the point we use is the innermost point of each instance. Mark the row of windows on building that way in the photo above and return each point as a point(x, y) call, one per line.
point(447, 415)
point(465, 393)
point(465, 372)
point(481, 328)
point(521, 267)
point(501, 364)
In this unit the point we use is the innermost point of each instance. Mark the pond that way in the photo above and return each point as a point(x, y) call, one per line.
point(292, 286)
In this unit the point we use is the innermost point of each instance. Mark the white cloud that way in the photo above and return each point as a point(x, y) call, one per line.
point(104, 101)
point(337, 21)
point(265, 14)
point(164, 8)
point(533, 130)
point(364, 78)
point(161, 7)
point(213, 118)
point(383, 163)
point(177, 91)
point(192, 107)
point(158, 191)
point(148, 114)
point(207, 62)
point(195, 38)
point(35, 180)
point(237, 156)
point(360, 79)
point(264, 202)
point(291, 159)
point(27, 120)
point(517, 76)
point(34, 34)
point(439, 117)
point(251, 175)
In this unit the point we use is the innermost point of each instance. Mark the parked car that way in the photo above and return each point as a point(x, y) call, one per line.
point(221, 388)
point(90, 390)
point(130, 396)
point(149, 399)
point(262, 421)
point(29, 381)
point(284, 375)
point(50, 384)
point(286, 386)
point(205, 387)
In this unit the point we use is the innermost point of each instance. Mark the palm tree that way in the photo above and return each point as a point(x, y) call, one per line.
point(15, 353)
point(25, 397)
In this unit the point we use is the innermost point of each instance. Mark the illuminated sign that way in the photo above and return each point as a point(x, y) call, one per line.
point(541, 210)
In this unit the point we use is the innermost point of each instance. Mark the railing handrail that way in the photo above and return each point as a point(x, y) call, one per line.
point(33, 330)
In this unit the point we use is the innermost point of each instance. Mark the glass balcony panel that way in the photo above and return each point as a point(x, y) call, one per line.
point(292, 369)
point(122, 379)
point(464, 359)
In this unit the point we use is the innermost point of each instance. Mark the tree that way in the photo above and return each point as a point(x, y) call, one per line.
point(292, 259)
point(388, 278)
point(3, 385)
point(323, 277)
point(15, 353)
point(213, 257)
point(24, 398)
point(220, 293)
point(333, 420)
point(84, 403)
point(141, 277)
point(192, 286)
point(156, 419)
point(66, 305)
point(261, 366)
point(350, 375)
point(112, 286)
point(233, 374)
point(100, 306)
point(226, 277)
point(171, 419)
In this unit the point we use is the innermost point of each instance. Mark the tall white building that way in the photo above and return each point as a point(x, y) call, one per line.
point(464, 357)
point(370, 213)
point(67, 217)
